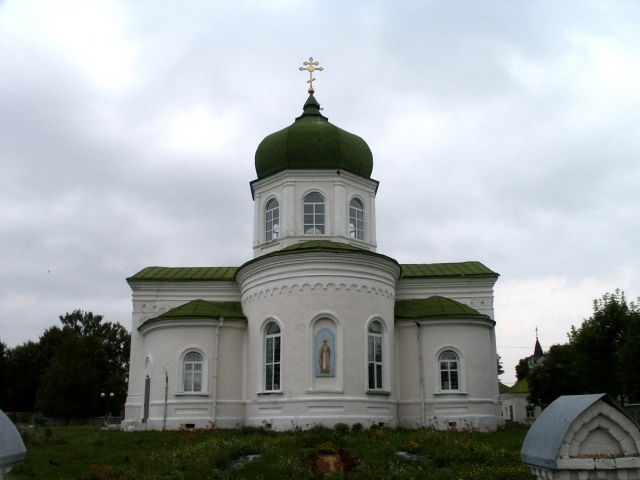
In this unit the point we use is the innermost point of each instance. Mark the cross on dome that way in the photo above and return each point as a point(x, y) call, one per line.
point(311, 66)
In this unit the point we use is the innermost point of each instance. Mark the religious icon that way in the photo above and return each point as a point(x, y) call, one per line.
point(325, 357)
point(325, 353)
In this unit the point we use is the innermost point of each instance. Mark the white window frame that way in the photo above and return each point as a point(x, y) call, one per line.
point(448, 370)
point(356, 218)
point(375, 362)
point(272, 219)
point(189, 372)
point(269, 375)
point(314, 227)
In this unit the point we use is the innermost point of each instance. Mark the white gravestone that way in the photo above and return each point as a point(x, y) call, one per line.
point(583, 437)
point(12, 449)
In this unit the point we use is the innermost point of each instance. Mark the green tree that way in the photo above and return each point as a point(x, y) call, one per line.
point(597, 344)
point(500, 366)
point(629, 356)
point(602, 356)
point(86, 357)
point(523, 369)
point(3, 362)
point(23, 366)
point(71, 384)
point(65, 372)
point(557, 375)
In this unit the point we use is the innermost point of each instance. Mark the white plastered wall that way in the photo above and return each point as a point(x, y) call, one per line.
point(301, 292)
point(160, 349)
point(476, 404)
point(290, 187)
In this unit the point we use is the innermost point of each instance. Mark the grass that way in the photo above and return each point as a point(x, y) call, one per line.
point(87, 453)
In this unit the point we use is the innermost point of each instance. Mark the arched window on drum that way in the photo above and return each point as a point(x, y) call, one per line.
point(356, 219)
point(313, 214)
point(272, 220)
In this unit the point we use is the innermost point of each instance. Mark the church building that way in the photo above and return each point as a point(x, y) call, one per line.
point(318, 327)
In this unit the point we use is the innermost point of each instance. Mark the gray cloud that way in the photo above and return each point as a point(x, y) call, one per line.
point(501, 132)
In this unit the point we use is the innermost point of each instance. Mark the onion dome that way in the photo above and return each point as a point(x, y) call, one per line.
point(311, 142)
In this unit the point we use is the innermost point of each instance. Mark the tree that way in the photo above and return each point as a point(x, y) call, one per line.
point(602, 356)
point(523, 369)
point(87, 357)
point(597, 343)
point(71, 384)
point(23, 367)
point(556, 376)
point(500, 366)
point(65, 372)
point(3, 362)
point(629, 356)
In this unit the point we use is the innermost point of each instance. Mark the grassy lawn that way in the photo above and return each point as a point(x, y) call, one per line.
point(87, 453)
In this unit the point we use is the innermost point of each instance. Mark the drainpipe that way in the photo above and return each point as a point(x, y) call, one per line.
point(216, 343)
point(166, 394)
point(421, 370)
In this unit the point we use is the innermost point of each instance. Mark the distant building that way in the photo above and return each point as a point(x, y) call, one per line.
point(515, 403)
point(538, 355)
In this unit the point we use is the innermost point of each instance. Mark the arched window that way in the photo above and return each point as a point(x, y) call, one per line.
point(192, 372)
point(272, 219)
point(356, 219)
point(449, 371)
point(313, 214)
point(272, 357)
point(374, 349)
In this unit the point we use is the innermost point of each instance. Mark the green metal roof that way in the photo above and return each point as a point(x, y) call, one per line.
point(324, 245)
point(185, 274)
point(502, 388)
point(434, 307)
point(212, 274)
point(462, 269)
point(311, 142)
point(319, 246)
point(521, 387)
point(201, 309)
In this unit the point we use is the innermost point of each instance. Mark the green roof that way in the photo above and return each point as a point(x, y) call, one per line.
point(502, 388)
point(213, 274)
point(185, 274)
point(521, 387)
point(319, 246)
point(325, 245)
point(462, 269)
point(311, 142)
point(434, 307)
point(201, 309)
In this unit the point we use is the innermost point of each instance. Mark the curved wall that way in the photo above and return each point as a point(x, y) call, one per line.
point(304, 294)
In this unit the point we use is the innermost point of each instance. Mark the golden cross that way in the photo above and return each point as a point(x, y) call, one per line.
point(311, 67)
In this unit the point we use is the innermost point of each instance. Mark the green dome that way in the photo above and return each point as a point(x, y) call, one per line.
point(311, 142)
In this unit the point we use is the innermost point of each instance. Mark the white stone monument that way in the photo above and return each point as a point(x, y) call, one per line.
point(583, 437)
point(12, 449)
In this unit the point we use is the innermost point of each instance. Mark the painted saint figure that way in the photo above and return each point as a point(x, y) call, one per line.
point(325, 357)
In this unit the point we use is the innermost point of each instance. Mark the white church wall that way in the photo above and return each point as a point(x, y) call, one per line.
point(229, 411)
point(476, 293)
point(290, 187)
point(220, 401)
point(152, 354)
point(302, 293)
point(474, 405)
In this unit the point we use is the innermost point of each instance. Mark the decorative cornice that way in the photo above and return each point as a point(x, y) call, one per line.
point(291, 175)
point(374, 261)
point(146, 328)
point(481, 322)
point(318, 286)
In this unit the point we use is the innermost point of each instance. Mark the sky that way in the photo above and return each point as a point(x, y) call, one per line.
point(504, 132)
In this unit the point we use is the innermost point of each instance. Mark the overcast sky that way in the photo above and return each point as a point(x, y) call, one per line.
point(504, 132)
